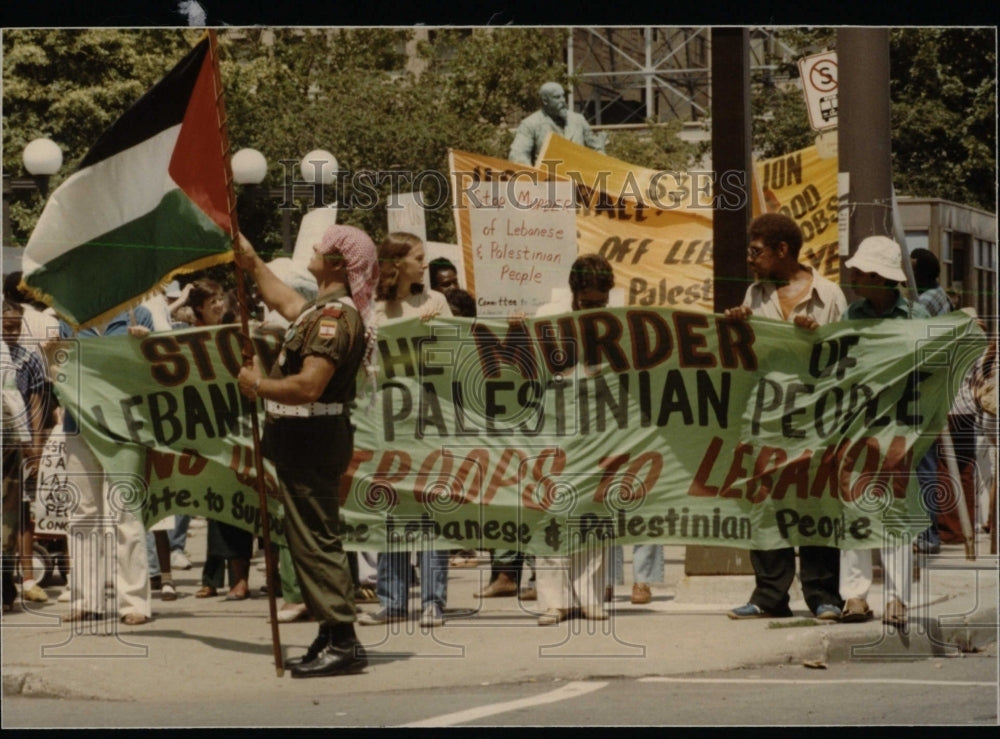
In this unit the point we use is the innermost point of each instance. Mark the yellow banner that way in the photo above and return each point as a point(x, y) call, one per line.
point(804, 187)
point(654, 226)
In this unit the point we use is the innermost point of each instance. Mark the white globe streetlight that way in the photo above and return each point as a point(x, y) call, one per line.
point(249, 167)
point(318, 167)
point(42, 157)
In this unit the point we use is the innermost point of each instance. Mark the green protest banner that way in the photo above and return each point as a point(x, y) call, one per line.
point(629, 424)
point(165, 417)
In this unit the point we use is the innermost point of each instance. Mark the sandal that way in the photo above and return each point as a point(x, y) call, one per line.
point(135, 619)
point(365, 594)
point(206, 591)
point(895, 614)
point(553, 616)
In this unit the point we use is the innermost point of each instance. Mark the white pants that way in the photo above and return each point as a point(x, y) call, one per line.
point(102, 523)
point(986, 469)
point(575, 581)
point(897, 569)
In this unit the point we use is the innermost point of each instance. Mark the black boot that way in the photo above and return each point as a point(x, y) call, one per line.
point(319, 643)
point(343, 655)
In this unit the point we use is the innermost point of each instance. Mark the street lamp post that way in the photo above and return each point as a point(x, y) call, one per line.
point(42, 158)
point(318, 168)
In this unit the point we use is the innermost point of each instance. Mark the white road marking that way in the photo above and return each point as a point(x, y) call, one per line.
point(570, 690)
point(816, 681)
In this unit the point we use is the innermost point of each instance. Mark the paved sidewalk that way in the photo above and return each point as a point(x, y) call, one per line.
point(217, 650)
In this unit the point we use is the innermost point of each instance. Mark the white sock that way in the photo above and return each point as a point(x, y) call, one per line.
point(28, 585)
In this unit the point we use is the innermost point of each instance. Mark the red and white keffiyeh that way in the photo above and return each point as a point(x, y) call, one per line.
point(361, 260)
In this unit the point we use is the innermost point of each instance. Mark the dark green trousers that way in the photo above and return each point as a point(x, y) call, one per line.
point(312, 528)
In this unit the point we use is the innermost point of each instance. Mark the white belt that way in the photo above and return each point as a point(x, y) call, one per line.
point(306, 410)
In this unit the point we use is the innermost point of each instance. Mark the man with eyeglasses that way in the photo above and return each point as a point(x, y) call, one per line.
point(787, 290)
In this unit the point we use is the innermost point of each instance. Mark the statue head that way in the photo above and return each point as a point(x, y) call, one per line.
point(553, 100)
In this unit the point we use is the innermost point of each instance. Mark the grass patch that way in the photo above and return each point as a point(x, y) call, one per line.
point(793, 624)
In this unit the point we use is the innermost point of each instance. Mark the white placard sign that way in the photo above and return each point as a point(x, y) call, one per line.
point(523, 243)
point(54, 498)
point(405, 212)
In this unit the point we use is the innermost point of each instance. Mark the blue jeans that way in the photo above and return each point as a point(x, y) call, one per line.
point(393, 582)
point(647, 563)
point(154, 561)
point(178, 534)
point(177, 537)
point(927, 478)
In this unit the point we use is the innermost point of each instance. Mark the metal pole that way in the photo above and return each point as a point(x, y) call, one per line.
point(731, 152)
point(279, 665)
point(649, 73)
point(864, 142)
point(8, 231)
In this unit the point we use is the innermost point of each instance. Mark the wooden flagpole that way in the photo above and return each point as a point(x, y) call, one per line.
point(247, 350)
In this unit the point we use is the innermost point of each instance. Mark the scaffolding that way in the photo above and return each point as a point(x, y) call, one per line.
point(628, 76)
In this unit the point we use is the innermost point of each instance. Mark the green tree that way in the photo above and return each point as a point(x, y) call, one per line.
point(350, 91)
point(943, 90)
point(70, 85)
point(658, 146)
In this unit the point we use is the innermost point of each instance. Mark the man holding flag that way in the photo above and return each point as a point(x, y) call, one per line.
point(308, 432)
point(151, 199)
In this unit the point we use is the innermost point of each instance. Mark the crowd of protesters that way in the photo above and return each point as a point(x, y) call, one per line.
point(351, 287)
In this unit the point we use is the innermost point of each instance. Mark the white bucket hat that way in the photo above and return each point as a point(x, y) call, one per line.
point(881, 255)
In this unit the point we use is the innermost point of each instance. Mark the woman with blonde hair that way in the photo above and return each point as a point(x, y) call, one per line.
point(401, 294)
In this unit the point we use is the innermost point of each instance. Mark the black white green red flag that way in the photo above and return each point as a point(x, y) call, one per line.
point(149, 200)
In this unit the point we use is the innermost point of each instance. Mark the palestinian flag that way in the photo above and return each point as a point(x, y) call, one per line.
point(150, 200)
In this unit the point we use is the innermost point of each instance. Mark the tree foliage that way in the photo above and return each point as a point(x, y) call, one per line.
point(658, 147)
point(942, 89)
point(356, 93)
point(70, 86)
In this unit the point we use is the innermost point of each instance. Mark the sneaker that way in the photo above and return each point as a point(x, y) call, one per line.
point(432, 616)
point(35, 594)
point(382, 617)
point(65, 596)
point(168, 592)
point(828, 612)
point(856, 611)
point(179, 560)
point(751, 610)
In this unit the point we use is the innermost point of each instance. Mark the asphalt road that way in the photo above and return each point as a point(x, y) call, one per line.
point(956, 691)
